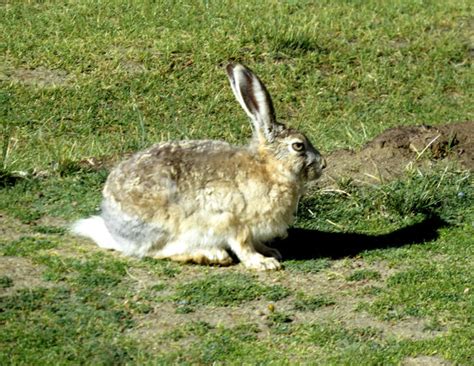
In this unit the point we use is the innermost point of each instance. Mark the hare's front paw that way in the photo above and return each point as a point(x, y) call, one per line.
point(261, 263)
point(275, 253)
point(268, 252)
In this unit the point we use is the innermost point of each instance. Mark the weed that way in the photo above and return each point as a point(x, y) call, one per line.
point(226, 344)
point(46, 229)
point(428, 290)
point(26, 246)
point(310, 303)
point(161, 267)
point(95, 272)
point(323, 334)
point(193, 328)
point(363, 275)
point(5, 282)
point(228, 289)
point(184, 308)
point(370, 290)
point(158, 287)
point(43, 324)
point(277, 317)
point(308, 266)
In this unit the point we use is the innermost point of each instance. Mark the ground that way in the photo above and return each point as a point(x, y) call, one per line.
point(390, 154)
point(330, 284)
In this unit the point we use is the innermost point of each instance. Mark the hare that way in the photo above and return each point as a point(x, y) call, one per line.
point(192, 201)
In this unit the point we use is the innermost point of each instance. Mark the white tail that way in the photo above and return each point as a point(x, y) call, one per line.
point(95, 229)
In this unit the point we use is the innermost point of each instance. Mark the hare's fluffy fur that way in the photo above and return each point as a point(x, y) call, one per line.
point(194, 200)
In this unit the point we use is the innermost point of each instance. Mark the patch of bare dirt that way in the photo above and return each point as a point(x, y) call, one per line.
point(12, 229)
point(425, 361)
point(125, 57)
point(331, 283)
point(41, 77)
point(347, 296)
point(52, 221)
point(23, 273)
point(390, 154)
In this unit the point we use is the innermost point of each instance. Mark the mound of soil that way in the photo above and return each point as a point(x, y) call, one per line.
point(388, 155)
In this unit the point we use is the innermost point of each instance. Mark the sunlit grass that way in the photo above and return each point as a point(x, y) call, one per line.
point(82, 80)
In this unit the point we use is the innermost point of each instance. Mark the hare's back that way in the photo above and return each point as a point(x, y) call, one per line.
point(161, 174)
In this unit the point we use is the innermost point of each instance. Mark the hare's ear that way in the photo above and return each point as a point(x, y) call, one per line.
point(255, 100)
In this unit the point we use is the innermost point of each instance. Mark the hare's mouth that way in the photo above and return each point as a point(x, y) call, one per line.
point(312, 171)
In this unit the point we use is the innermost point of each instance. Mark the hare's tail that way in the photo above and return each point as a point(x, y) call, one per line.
point(94, 228)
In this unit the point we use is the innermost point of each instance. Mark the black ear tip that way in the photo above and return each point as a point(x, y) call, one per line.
point(230, 68)
point(236, 65)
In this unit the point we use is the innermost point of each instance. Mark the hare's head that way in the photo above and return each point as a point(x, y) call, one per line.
point(289, 146)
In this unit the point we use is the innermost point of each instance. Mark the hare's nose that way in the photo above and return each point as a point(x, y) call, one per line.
point(323, 163)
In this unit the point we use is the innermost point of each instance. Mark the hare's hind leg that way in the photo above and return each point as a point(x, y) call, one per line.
point(131, 235)
point(245, 250)
point(182, 253)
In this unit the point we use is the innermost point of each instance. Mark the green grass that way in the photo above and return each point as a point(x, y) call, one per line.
point(227, 290)
point(363, 274)
point(40, 325)
point(83, 80)
point(304, 302)
point(5, 282)
point(444, 194)
point(26, 246)
point(437, 288)
point(123, 75)
point(308, 266)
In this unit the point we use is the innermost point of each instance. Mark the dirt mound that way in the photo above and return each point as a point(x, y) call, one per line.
point(388, 155)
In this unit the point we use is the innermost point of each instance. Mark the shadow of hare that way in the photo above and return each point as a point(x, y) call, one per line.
point(312, 244)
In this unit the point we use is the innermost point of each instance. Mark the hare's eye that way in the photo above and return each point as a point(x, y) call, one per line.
point(297, 146)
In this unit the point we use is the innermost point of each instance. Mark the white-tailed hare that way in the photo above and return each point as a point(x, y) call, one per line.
point(191, 201)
